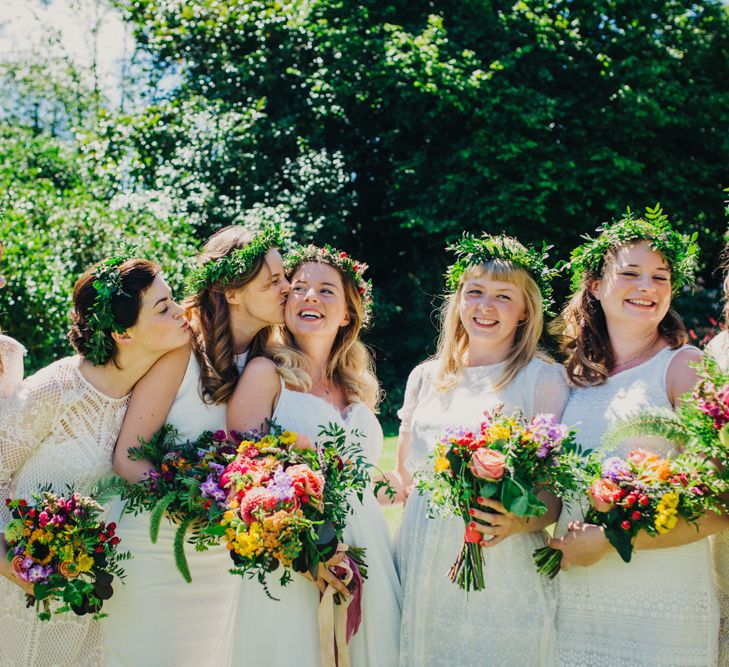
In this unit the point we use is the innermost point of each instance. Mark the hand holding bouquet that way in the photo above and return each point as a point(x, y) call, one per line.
point(59, 545)
point(509, 459)
point(184, 484)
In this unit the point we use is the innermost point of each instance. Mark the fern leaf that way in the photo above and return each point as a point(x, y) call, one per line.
point(661, 426)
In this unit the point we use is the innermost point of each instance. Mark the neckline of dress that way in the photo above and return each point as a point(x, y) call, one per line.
point(642, 364)
point(75, 363)
point(342, 414)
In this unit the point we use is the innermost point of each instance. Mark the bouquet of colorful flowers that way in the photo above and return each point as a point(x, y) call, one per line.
point(288, 505)
point(509, 459)
point(184, 484)
point(59, 544)
point(645, 491)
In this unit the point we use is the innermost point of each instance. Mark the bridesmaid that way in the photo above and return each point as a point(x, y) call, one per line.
point(487, 355)
point(239, 291)
point(11, 357)
point(60, 425)
point(321, 374)
point(626, 354)
point(718, 348)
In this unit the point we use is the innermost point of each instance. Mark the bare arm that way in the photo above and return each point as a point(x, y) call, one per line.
point(150, 404)
point(255, 396)
point(681, 377)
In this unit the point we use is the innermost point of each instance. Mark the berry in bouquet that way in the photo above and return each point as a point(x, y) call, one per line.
point(509, 460)
point(60, 545)
point(183, 485)
point(289, 504)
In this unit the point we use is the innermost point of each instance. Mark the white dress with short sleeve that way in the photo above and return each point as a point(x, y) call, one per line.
point(718, 348)
point(286, 632)
point(11, 369)
point(55, 429)
point(157, 618)
point(511, 622)
point(660, 609)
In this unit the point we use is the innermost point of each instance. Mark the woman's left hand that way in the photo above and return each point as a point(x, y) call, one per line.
point(584, 544)
point(498, 524)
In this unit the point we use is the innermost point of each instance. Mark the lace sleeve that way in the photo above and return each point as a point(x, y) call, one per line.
point(11, 355)
point(26, 419)
point(410, 400)
point(551, 390)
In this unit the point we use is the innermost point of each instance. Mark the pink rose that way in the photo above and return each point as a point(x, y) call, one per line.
point(605, 493)
point(255, 500)
point(488, 464)
point(306, 481)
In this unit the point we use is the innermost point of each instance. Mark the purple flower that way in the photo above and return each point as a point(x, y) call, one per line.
point(616, 469)
point(39, 573)
point(216, 468)
point(281, 486)
point(220, 436)
point(210, 489)
point(547, 432)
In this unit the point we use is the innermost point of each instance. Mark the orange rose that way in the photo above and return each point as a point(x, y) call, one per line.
point(488, 464)
point(605, 493)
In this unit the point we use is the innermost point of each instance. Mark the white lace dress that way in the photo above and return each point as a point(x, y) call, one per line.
point(157, 618)
point(58, 429)
point(718, 348)
point(511, 622)
point(11, 356)
point(660, 609)
point(285, 633)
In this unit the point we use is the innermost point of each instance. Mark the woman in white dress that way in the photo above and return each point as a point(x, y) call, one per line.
point(626, 354)
point(60, 426)
point(322, 374)
point(11, 357)
point(718, 348)
point(487, 356)
point(157, 618)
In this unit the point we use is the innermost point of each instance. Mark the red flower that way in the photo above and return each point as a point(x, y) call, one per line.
point(636, 515)
point(361, 290)
point(343, 255)
point(23, 502)
point(115, 540)
point(625, 525)
point(99, 548)
point(112, 526)
point(643, 500)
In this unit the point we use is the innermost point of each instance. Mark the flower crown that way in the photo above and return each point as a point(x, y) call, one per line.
point(680, 250)
point(349, 266)
point(472, 251)
point(100, 319)
point(230, 267)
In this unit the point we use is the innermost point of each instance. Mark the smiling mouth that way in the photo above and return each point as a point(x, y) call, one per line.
point(483, 322)
point(641, 303)
point(310, 315)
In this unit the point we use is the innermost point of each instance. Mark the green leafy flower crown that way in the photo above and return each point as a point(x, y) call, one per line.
point(100, 318)
point(680, 250)
point(349, 266)
point(472, 251)
point(229, 268)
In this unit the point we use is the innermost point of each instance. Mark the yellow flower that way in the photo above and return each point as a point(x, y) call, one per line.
point(248, 544)
point(266, 441)
point(244, 445)
point(670, 500)
point(287, 438)
point(442, 464)
point(227, 517)
point(500, 432)
point(85, 563)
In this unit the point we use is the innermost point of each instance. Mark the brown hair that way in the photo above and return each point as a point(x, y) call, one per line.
point(136, 276)
point(583, 336)
point(453, 339)
point(350, 364)
point(210, 315)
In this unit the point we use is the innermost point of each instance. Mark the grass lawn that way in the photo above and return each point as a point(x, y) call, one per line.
point(393, 513)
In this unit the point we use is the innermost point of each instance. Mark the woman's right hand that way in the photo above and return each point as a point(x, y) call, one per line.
point(325, 577)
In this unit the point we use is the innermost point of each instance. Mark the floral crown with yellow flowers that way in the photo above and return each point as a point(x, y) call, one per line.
point(228, 268)
point(349, 267)
point(680, 250)
point(100, 319)
point(472, 251)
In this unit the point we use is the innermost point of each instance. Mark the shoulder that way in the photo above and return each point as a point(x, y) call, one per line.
point(171, 367)
point(718, 347)
point(425, 370)
point(262, 370)
point(10, 346)
point(681, 375)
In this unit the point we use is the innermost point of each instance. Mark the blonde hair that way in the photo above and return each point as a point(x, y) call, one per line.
point(453, 338)
point(350, 364)
point(582, 332)
point(210, 315)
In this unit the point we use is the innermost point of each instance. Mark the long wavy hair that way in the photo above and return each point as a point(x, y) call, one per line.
point(350, 365)
point(453, 338)
point(581, 330)
point(209, 313)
